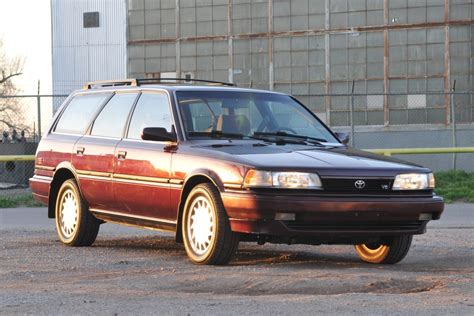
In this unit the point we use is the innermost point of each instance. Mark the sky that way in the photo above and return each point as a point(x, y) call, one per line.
point(25, 27)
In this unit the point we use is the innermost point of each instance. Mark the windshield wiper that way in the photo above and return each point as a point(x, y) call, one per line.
point(217, 134)
point(281, 135)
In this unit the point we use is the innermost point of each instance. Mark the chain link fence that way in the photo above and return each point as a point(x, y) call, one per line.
point(401, 120)
point(20, 137)
point(14, 173)
point(358, 113)
point(418, 120)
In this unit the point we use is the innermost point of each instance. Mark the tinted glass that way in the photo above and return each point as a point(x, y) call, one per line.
point(202, 114)
point(152, 110)
point(247, 113)
point(79, 113)
point(111, 120)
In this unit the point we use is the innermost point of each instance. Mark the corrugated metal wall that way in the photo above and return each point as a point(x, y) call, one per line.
point(313, 47)
point(85, 54)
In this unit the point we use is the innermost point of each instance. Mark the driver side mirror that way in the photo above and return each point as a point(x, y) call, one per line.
point(158, 134)
point(343, 137)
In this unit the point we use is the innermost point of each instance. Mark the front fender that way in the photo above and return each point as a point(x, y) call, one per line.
point(209, 174)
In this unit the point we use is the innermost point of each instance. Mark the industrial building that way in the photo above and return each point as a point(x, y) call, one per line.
point(89, 42)
point(398, 57)
point(311, 48)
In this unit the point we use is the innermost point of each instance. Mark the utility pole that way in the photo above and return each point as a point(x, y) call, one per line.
point(453, 123)
point(39, 111)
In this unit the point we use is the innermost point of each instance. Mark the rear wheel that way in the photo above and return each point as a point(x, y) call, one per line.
point(389, 252)
point(208, 238)
point(75, 225)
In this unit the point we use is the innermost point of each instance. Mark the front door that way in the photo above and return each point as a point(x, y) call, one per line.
point(142, 168)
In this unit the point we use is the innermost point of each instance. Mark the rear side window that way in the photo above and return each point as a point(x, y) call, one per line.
point(79, 113)
point(111, 120)
point(152, 110)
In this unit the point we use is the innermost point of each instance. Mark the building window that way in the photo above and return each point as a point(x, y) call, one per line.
point(91, 19)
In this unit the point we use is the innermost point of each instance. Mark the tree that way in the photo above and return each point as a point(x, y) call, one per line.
point(11, 109)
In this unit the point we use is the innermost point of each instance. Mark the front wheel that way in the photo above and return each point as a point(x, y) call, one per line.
point(208, 238)
point(389, 252)
point(75, 225)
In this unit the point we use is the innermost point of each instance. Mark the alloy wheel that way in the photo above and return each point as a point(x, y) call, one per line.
point(201, 225)
point(69, 213)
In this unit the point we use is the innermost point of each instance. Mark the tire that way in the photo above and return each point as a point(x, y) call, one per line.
point(390, 252)
point(208, 238)
point(75, 225)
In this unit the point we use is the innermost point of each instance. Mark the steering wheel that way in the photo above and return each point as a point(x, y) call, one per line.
point(211, 127)
point(263, 124)
point(287, 129)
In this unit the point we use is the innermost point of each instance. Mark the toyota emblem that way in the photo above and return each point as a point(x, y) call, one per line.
point(359, 184)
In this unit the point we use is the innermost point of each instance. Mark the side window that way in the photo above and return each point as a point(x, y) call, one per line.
point(111, 120)
point(79, 113)
point(152, 110)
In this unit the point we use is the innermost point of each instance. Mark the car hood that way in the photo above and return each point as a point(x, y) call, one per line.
point(331, 160)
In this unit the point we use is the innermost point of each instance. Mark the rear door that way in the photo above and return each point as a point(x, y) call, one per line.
point(142, 168)
point(71, 125)
point(93, 154)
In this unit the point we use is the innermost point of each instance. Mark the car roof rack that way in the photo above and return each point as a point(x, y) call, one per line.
point(139, 82)
point(110, 83)
point(186, 80)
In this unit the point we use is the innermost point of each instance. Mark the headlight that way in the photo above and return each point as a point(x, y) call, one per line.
point(414, 181)
point(286, 179)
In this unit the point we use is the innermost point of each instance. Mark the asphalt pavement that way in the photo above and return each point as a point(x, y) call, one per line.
point(131, 271)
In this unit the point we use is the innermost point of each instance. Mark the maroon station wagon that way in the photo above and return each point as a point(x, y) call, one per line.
point(217, 165)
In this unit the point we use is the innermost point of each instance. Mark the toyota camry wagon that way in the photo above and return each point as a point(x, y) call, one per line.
point(216, 165)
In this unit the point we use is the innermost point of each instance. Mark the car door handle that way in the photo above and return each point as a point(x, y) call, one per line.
point(80, 150)
point(121, 155)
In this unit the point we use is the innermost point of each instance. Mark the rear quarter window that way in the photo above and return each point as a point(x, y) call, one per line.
point(80, 112)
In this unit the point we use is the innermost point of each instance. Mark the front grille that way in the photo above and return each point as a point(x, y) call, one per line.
point(357, 185)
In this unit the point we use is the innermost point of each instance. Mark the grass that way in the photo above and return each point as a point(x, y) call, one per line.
point(22, 200)
point(455, 186)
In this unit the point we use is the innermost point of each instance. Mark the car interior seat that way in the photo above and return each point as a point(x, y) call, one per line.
point(237, 124)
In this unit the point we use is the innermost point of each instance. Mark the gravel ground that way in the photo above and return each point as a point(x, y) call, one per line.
point(131, 271)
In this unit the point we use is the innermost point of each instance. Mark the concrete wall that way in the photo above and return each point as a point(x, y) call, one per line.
point(311, 48)
point(415, 136)
point(401, 54)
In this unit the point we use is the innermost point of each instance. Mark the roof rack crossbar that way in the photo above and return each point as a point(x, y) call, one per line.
point(110, 83)
point(163, 80)
point(138, 82)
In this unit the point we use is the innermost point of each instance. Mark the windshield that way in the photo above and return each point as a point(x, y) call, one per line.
point(247, 114)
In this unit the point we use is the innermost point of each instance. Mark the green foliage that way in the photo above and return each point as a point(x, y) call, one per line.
point(455, 186)
point(24, 200)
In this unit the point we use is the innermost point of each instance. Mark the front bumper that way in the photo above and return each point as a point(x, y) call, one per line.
point(341, 216)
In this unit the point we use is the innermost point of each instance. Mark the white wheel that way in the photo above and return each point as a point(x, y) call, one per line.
point(68, 213)
point(75, 225)
point(390, 251)
point(201, 225)
point(207, 236)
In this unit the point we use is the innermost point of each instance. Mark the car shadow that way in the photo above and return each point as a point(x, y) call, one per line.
point(139, 243)
point(250, 254)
